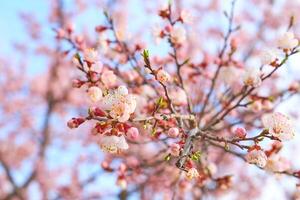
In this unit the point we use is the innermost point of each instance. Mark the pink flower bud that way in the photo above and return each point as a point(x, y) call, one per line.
point(100, 28)
point(105, 165)
point(75, 122)
point(240, 132)
point(76, 83)
point(173, 132)
point(133, 133)
point(95, 111)
point(108, 78)
point(79, 39)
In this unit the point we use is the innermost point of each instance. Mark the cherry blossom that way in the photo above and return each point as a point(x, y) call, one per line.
point(91, 55)
point(180, 119)
point(108, 78)
point(175, 149)
point(113, 144)
point(120, 104)
point(163, 76)
point(173, 132)
point(95, 93)
point(279, 125)
point(178, 35)
point(287, 41)
point(133, 133)
point(277, 163)
point(192, 173)
point(268, 56)
point(257, 157)
point(252, 77)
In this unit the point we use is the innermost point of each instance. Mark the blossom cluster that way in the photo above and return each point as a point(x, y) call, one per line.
point(183, 108)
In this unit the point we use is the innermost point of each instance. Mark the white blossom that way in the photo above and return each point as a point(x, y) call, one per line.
point(178, 35)
point(257, 157)
point(268, 56)
point(192, 173)
point(279, 125)
point(287, 41)
point(95, 93)
point(252, 77)
point(113, 144)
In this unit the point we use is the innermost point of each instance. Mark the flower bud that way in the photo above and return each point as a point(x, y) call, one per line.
point(76, 83)
point(133, 133)
point(240, 132)
point(97, 112)
point(173, 132)
point(75, 122)
point(287, 41)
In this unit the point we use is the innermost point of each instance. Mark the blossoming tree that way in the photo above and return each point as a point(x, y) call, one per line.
point(177, 123)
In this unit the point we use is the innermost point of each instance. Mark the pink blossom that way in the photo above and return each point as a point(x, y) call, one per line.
point(279, 125)
point(268, 56)
point(252, 77)
point(90, 55)
point(133, 133)
point(240, 132)
point(192, 173)
point(175, 149)
point(257, 157)
point(178, 96)
point(120, 104)
point(277, 163)
point(178, 35)
point(95, 94)
point(287, 41)
point(108, 78)
point(173, 132)
point(163, 76)
point(113, 144)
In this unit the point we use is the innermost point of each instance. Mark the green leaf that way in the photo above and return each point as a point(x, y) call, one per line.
point(167, 157)
point(153, 132)
point(145, 54)
point(196, 156)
